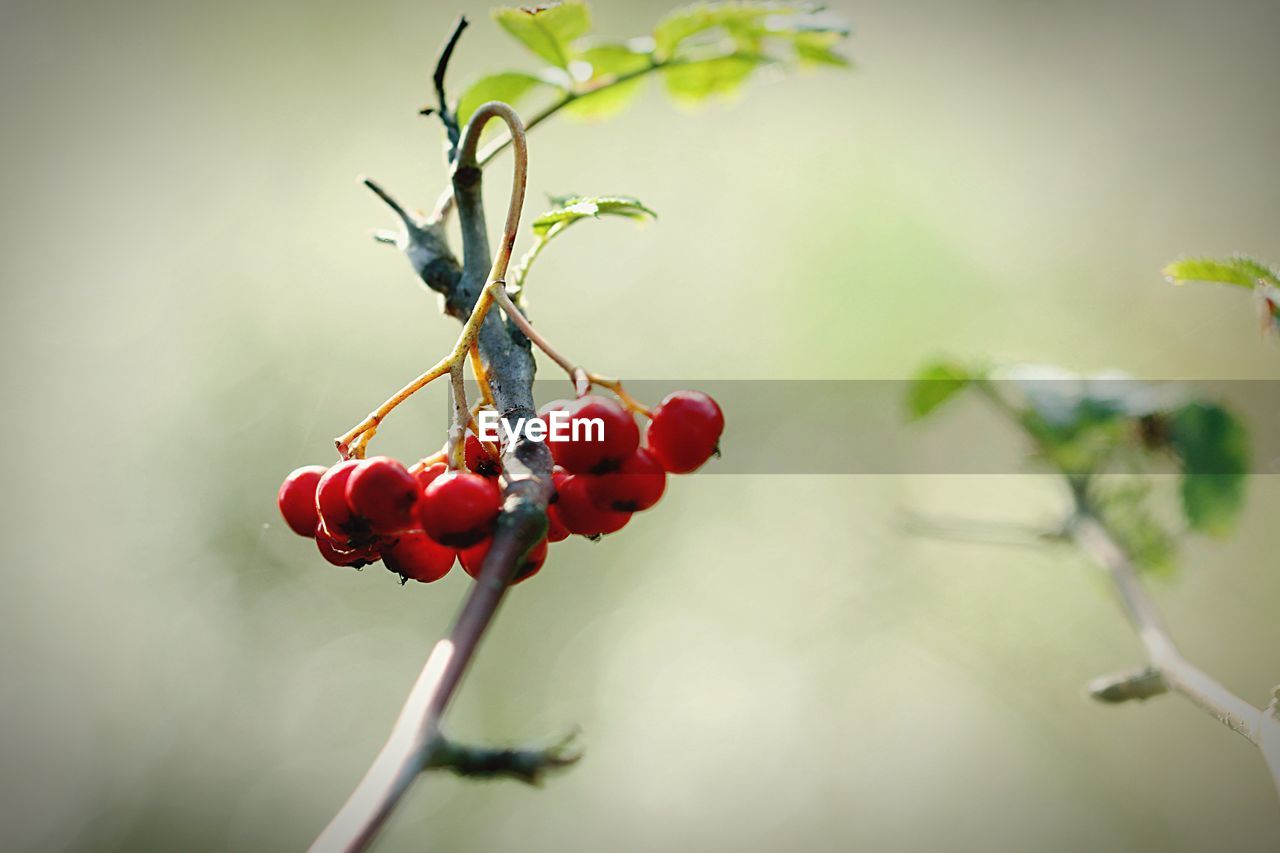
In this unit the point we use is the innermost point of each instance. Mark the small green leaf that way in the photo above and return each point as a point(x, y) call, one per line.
point(934, 385)
point(575, 209)
point(507, 86)
point(604, 97)
point(1214, 449)
point(1237, 269)
point(547, 30)
point(692, 82)
point(568, 211)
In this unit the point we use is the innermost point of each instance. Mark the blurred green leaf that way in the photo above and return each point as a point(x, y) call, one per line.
point(815, 48)
point(1125, 511)
point(547, 30)
point(608, 62)
point(934, 385)
point(1214, 449)
point(1237, 269)
point(692, 82)
point(747, 24)
point(507, 86)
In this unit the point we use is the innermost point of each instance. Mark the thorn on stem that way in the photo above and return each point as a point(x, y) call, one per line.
point(529, 765)
point(1139, 684)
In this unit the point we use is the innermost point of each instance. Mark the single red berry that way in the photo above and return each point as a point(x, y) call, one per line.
point(331, 501)
point(340, 553)
point(419, 557)
point(685, 431)
point(478, 459)
point(297, 499)
point(637, 484)
point(458, 508)
point(473, 558)
point(597, 435)
point(427, 475)
point(578, 513)
point(383, 492)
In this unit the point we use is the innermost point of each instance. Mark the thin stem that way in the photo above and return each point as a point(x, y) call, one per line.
point(366, 429)
point(444, 204)
point(461, 418)
point(1257, 725)
point(582, 379)
point(482, 375)
point(522, 323)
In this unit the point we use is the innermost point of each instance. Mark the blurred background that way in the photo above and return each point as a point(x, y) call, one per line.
point(193, 307)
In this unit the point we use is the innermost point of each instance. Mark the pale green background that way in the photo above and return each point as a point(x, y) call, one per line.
point(192, 307)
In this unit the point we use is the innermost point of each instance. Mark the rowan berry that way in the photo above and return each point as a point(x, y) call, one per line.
point(685, 431)
point(599, 434)
point(419, 557)
point(297, 499)
point(458, 507)
point(383, 492)
point(637, 484)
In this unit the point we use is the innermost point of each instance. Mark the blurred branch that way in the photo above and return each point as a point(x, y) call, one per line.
point(1167, 669)
point(981, 531)
point(415, 743)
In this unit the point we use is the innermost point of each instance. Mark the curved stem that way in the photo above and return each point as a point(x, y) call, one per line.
point(466, 160)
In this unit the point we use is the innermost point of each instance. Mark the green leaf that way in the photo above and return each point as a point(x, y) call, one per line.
point(547, 30)
point(507, 86)
point(934, 385)
point(574, 209)
point(1214, 449)
point(568, 211)
point(604, 97)
point(1237, 269)
point(692, 82)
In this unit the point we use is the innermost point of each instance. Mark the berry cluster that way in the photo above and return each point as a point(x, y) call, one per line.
point(418, 521)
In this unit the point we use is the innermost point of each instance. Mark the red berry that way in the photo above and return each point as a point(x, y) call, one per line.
point(580, 515)
point(383, 492)
point(331, 501)
point(637, 484)
point(340, 553)
point(478, 459)
point(685, 431)
point(556, 531)
point(418, 556)
point(458, 507)
point(427, 475)
point(598, 435)
point(473, 558)
point(297, 499)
